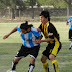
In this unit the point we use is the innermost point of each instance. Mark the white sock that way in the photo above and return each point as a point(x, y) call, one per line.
point(71, 44)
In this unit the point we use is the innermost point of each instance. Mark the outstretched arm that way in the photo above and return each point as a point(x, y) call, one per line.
point(14, 30)
point(69, 19)
point(67, 23)
point(46, 40)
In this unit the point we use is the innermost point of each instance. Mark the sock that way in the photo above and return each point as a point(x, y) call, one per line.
point(31, 67)
point(55, 64)
point(14, 65)
point(46, 68)
point(71, 44)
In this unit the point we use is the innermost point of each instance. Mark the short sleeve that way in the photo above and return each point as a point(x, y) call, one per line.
point(35, 32)
point(69, 19)
point(18, 28)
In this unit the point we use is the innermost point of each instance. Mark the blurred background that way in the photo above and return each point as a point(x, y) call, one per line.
point(20, 10)
point(15, 12)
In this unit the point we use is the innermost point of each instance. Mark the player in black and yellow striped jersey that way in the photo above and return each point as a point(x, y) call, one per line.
point(54, 46)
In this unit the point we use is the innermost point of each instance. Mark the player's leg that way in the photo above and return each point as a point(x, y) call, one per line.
point(14, 63)
point(33, 55)
point(31, 65)
point(70, 46)
point(17, 58)
point(54, 52)
point(45, 63)
point(20, 54)
point(54, 62)
point(70, 38)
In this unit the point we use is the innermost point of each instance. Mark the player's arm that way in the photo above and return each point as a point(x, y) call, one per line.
point(14, 30)
point(39, 29)
point(40, 37)
point(54, 31)
point(46, 40)
point(69, 19)
point(67, 23)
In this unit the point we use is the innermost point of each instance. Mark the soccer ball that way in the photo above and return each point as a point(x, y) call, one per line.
point(9, 70)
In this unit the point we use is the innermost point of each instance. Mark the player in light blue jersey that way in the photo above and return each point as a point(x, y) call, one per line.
point(29, 35)
point(70, 30)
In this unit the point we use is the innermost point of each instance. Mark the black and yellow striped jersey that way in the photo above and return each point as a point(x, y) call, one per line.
point(49, 28)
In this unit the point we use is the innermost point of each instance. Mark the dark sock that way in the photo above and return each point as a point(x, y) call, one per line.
point(14, 65)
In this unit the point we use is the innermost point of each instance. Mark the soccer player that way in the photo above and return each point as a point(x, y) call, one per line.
point(28, 34)
point(54, 46)
point(70, 30)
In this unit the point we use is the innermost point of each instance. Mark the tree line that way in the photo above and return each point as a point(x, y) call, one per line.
point(22, 4)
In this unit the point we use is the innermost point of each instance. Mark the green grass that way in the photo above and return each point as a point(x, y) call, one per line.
point(10, 46)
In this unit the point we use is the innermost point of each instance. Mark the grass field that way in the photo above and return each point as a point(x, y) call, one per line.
point(10, 46)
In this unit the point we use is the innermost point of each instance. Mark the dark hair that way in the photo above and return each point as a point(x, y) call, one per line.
point(45, 14)
point(25, 25)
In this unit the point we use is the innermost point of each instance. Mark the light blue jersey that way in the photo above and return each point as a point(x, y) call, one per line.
point(70, 20)
point(28, 39)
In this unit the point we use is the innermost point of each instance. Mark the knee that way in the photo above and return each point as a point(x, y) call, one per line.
point(32, 60)
point(42, 60)
point(51, 57)
point(16, 59)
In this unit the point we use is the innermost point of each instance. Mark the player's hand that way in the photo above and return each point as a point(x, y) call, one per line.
point(38, 29)
point(50, 34)
point(6, 36)
point(66, 23)
point(37, 41)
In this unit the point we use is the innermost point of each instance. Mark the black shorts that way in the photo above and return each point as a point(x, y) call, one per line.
point(70, 34)
point(24, 51)
point(52, 49)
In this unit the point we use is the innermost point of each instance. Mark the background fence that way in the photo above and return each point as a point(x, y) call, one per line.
point(58, 14)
